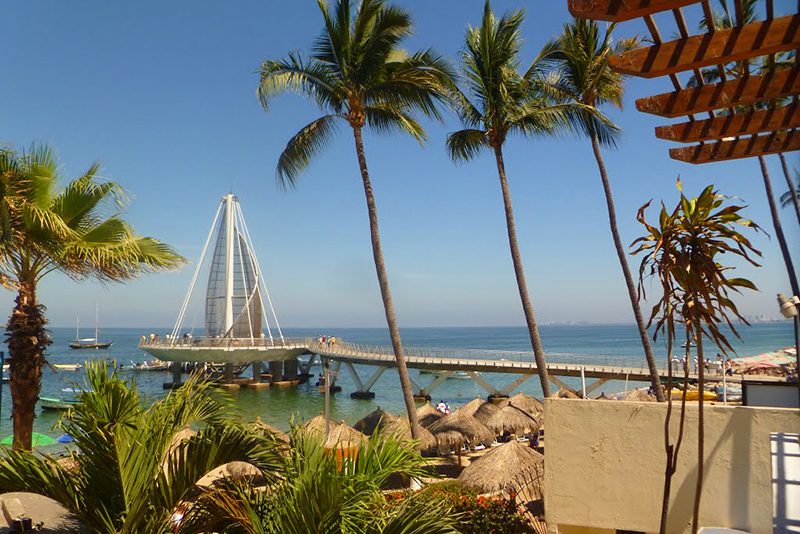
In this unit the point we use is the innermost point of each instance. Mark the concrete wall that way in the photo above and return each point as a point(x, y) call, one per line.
point(604, 465)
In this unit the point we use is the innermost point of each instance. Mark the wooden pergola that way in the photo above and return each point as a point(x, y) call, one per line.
point(752, 110)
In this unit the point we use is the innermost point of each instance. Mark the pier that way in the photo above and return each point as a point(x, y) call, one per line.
point(281, 356)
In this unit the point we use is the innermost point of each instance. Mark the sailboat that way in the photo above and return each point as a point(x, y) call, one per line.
point(89, 342)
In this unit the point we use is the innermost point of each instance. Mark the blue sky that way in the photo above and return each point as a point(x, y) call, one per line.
point(163, 94)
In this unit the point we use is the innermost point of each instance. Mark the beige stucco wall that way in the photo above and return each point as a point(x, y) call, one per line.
point(604, 465)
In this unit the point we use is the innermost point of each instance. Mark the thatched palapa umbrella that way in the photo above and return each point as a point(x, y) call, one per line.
point(526, 403)
point(373, 421)
point(262, 426)
point(232, 471)
point(487, 410)
point(458, 428)
point(342, 435)
point(639, 395)
point(427, 415)
point(567, 394)
point(472, 406)
point(497, 468)
point(317, 424)
point(512, 420)
point(399, 428)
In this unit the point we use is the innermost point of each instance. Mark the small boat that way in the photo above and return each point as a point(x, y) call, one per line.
point(216, 371)
point(69, 399)
point(67, 366)
point(89, 342)
point(152, 365)
point(693, 395)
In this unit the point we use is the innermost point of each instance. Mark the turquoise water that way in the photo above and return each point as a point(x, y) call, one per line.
point(565, 343)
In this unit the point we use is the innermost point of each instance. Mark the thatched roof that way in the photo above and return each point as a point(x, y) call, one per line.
point(373, 421)
point(567, 394)
point(639, 395)
point(487, 410)
point(514, 421)
point(500, 466)
point(526, 403)
point(317, 424)
point(472, 406)
point(232, 471)
point(458, 428)
point(342, 435)
point(400, 429)
point(427, 415)
point(263, 426)
point(184, 434)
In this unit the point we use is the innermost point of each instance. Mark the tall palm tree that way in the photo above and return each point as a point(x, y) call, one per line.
point(49, 228)
point(133, 469)
point(790, 197)
point(581, 57)
point(499, 100)
point(357, 73)
point(727, 19)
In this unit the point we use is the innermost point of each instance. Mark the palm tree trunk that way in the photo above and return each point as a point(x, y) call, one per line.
point(655, 380)
point(27, 340)
point(527, 307)
point(386, 294)
point(776, 222)
point(790, 184)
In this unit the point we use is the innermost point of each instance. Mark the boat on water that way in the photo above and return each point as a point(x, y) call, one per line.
point(454, 375)
point(149, 365)
point(68, 399)
point(89, 342)
point(67, 366)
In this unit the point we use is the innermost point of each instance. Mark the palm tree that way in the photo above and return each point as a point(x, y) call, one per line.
point(46, 229)
point(741, 69)
point(357, 73)
point(498, 101)
point(319, 492)
point(581, 58)
point(133, 469)
point(790, 196)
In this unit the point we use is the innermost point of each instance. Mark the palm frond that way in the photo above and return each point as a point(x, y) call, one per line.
point(312, 79)
point(301, 148)
point(464, 145)
point(387, 119)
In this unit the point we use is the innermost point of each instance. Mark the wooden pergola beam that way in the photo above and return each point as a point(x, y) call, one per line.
point(759, 145)
point(622, 10)
point(733, 125)
point(722, 46)
point(735, 92)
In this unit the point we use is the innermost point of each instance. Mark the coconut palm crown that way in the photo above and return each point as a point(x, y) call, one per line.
point(357, 73)
point(75, 229)
point(497, 100)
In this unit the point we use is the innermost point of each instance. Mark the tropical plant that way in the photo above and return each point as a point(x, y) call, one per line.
point(684, 254)
point(357, 73)
point(581, 57)
point(499, 100)
point(322, 492)
point(49, 228)
point(133, 468)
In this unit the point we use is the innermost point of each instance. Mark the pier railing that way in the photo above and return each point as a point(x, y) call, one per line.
point(221, 342)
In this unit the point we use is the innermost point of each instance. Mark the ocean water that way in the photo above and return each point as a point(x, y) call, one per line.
point(588, 344)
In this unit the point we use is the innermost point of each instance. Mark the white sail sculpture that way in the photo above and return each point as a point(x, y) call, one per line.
point(239, 328)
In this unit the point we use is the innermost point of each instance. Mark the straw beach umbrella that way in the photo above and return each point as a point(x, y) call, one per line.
point(487, 410)
point(317, 424)
point(567, 394)
point(343, 435)
point(512, 420)
point(497, 468)
point(526, 403)
point(266, 428)
point(472, 406)
point(458, 428)
point(639, 395)
point(373, 421)
point(398, 428)
point(427, 415)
